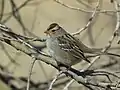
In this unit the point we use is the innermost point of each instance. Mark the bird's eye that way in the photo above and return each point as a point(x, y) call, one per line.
point(53, 30)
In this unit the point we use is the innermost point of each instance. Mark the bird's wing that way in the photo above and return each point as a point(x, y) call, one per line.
point(69, 44)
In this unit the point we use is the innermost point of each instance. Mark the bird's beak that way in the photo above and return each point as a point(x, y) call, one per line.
point(46, 32)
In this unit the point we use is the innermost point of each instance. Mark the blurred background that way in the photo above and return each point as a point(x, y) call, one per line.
point(32, 17)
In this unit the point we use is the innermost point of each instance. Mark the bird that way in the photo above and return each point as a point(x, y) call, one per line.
point(63, 47)
point(68, 50)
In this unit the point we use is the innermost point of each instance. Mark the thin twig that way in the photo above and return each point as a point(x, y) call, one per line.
point(2, 9)
point(53, 81)
point(68, 84)
point(30, 73)
point(89, 21)
point(83, 10)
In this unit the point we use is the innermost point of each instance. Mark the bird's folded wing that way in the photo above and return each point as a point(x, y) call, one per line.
point(69, 44)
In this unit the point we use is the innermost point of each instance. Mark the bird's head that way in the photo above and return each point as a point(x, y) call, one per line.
point(55, 30)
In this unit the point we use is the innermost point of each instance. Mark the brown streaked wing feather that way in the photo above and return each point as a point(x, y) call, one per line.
point(69, 44)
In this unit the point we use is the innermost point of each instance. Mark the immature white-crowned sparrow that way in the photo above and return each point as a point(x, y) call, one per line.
point(66, 49)
point(63, 47)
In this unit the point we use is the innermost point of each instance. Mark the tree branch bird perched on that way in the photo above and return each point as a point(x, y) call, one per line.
point(65, 48)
